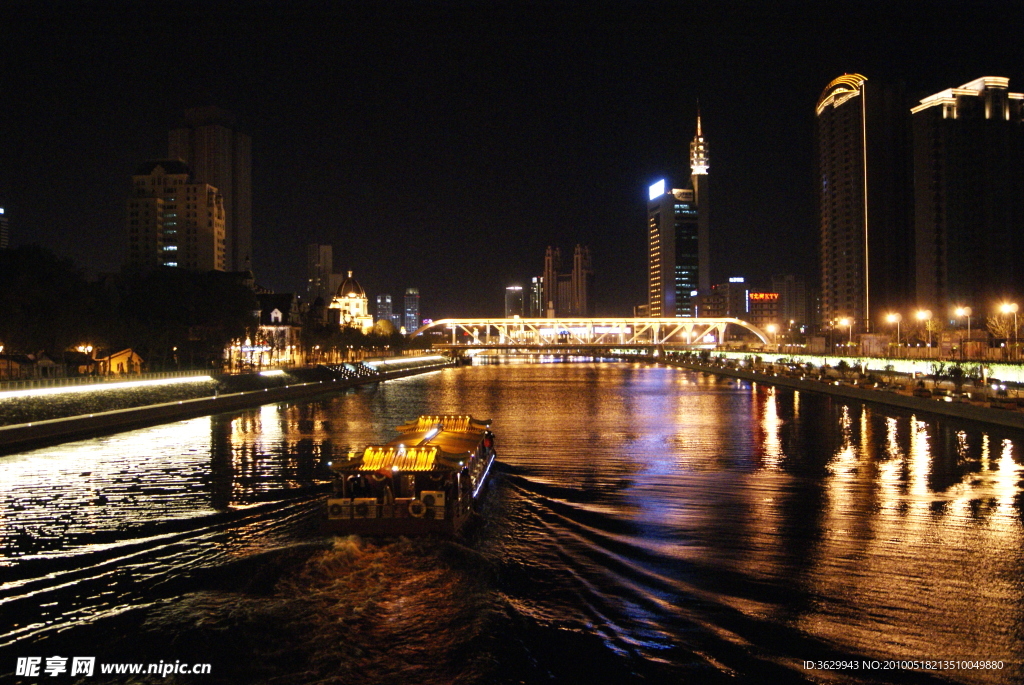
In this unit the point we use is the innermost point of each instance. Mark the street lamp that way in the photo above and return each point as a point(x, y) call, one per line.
point(849, 324)
point(895, 318)
point(1011, 308)
point(960, 312)
point(926, 316)
point(772, 328)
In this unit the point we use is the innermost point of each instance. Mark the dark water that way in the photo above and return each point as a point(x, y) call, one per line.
point(648, 525)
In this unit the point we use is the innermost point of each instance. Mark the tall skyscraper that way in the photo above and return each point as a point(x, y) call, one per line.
point(5, 235)
point(567, 293)
point(679, 239)
point(969, 195)
point(536, 302)
point(513, 301)
point(319, 268)
point(174, 221)
point(209, 142)
point(412, 309)
point(866, 238)
point(386, 310)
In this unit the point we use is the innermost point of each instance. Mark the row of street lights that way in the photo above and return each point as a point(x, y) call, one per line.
point(925, 315)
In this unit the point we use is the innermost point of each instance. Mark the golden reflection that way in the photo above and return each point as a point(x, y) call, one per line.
point(770, 424)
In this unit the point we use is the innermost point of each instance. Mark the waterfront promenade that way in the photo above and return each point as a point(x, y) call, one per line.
point(978, 404)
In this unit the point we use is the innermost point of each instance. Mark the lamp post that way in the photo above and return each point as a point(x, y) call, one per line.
point(960, 312)
point(849, 324)
point(1011, 308)
point(926, 316)
point(895, 318)
point(772, 328)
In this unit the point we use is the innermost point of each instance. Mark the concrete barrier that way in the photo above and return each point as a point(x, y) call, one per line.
point(20, 437)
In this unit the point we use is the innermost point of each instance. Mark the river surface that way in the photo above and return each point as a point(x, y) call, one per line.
point(646, 525)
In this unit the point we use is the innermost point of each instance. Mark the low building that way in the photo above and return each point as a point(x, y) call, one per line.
point(350, 307)
point(280, 329)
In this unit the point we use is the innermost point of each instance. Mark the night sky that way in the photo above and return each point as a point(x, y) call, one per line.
point(445, 145)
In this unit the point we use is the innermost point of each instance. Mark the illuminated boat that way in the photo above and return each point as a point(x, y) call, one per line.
point(424, 481)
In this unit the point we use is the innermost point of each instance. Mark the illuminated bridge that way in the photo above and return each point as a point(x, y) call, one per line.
point(583, 333)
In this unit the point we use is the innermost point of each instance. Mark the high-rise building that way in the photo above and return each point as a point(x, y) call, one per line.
point(513, 301)
point(792, 290)
point(173, 220)
point(969, 194)
point(866, 237)
point(412, 309)
point(5, 235)
point(679, 238)
point(536, 301)
point(319, 269)
point(384, 310)
point(567, 293)
point(218, 154)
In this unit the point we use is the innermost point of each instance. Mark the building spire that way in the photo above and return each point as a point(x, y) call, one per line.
point(698, 150)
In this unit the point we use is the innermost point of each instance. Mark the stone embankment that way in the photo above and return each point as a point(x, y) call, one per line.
point(967, 410)
point(228, 393)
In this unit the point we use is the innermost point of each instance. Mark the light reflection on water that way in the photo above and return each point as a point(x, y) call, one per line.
point(661, 525)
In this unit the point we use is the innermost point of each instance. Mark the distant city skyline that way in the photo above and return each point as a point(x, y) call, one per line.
point(385, 129)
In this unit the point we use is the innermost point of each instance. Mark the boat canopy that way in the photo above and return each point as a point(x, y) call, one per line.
point(430, 443)
point(454, 423)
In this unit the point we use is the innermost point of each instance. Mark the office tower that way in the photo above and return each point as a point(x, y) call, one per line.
point(5, 235)
point(384, 310)
point(319, 269)
point(567, 293)
point(412, 309)
point(679, 239)
point(174, 221)
point(513, 301)
point(536, 297)
point(866, 238)
point(969, 195)
point(723, 300)
point(209, 142)
point(792, 290)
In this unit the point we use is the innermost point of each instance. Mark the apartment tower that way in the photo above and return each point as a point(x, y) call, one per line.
point(969, 195)
point(218, 154)
point(866, 237)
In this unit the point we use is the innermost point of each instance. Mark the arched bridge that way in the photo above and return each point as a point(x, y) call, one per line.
point(526, 333)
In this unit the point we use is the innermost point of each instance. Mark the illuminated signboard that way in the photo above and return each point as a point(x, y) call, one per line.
point(736, 279)
point(764, 297)
point(657, 190)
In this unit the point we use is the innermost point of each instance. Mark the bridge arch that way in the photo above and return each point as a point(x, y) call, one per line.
point(594, 331)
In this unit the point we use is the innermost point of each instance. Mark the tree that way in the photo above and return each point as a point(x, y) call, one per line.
point(1000, 326)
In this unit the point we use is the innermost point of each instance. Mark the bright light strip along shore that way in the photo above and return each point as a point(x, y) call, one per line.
point(404, 360)
point(99, 387)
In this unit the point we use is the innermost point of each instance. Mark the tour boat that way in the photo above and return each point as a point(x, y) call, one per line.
point(424, 481)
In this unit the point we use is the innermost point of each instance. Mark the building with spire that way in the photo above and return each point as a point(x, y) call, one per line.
point(679, 238)
point(863, 180)
point(567, 293)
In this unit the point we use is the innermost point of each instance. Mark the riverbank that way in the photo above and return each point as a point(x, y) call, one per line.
point(966, 410)
point(90, 413)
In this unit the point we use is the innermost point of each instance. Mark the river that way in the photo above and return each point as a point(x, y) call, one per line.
point(646, 525)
